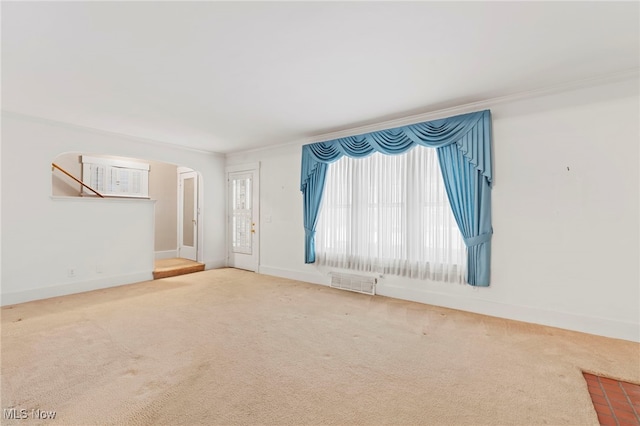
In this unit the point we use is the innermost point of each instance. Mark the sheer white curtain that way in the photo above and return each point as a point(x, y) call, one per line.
point(390, 214)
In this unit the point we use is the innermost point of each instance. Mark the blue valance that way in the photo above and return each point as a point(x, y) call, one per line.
point(471, 134)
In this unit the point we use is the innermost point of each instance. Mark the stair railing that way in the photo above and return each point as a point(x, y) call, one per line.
point(55, 166)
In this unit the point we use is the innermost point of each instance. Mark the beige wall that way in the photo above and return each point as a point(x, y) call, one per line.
point(163, 187)
point(62, 185)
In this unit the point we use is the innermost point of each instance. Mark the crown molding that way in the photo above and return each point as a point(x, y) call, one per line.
point(457, 110)
point(632, 73)
point(480, 105)
point(140, 139)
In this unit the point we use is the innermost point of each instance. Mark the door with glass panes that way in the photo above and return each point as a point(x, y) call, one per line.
point(188, 215)
point(244, 228)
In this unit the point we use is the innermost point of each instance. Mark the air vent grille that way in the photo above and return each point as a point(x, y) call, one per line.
point(352, 282)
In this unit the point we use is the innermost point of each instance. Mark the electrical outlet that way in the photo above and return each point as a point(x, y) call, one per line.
point(71, 272)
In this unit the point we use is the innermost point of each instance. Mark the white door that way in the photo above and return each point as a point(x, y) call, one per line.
point(243, 196)
point(188, 215)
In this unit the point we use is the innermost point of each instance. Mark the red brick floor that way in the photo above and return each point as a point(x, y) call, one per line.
point(616, 403)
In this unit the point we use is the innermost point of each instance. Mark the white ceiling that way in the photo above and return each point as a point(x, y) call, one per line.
point(229, 76)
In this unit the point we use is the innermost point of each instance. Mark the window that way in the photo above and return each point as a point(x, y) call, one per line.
point(390, 214)
point(115, 178)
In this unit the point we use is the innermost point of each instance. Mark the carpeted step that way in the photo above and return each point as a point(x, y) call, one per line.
point(174, 267)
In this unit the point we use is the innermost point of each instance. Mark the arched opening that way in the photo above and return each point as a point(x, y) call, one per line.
point(177, 247)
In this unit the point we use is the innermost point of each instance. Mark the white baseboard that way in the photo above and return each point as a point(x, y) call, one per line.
point(166, 254)
point(309, 277)
point(569, 321)
point(587, 324)
point(73, 287)
point(215, 264)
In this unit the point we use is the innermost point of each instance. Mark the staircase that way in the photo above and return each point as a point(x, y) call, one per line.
point(165, 268)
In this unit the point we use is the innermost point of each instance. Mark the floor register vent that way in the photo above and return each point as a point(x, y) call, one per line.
point(351, 282)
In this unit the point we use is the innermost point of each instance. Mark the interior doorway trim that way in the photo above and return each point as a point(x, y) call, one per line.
point(199, 215)
point(252, 169)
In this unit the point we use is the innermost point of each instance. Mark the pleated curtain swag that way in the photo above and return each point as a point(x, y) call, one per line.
point(463, 144)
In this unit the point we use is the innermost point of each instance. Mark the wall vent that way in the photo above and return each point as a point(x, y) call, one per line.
point(351, 282)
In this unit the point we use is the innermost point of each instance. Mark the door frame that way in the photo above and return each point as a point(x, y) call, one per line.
point(248, 167)
point(199, 215)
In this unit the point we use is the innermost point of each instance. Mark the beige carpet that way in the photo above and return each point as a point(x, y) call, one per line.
point(233, 347)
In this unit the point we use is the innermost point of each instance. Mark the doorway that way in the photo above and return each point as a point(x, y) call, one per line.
point(188, 215)
point(243, 195)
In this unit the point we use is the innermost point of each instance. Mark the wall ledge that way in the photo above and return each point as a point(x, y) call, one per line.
point(103, 200)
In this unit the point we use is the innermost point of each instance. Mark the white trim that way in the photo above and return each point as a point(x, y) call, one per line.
point(215, 264)
point(200, 213)
point(627, 74)
point(558, 319)
point(200, 216)
point(140, 139)
point(182, 169)
point(253, 168)
point(479, 105)
point(185, 252)
point(73, 288)
point(242, 167)
point(631, 73)
point(129, 164)
point(565, 320)
point(83, 199)
point(165, 254)
point(328, 270)
point(308, 277)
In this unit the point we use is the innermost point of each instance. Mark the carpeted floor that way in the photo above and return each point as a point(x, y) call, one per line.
point(233, 347)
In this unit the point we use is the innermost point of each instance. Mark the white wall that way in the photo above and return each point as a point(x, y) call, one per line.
point(565, 215)
point(107, 242)
point(163, 189)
